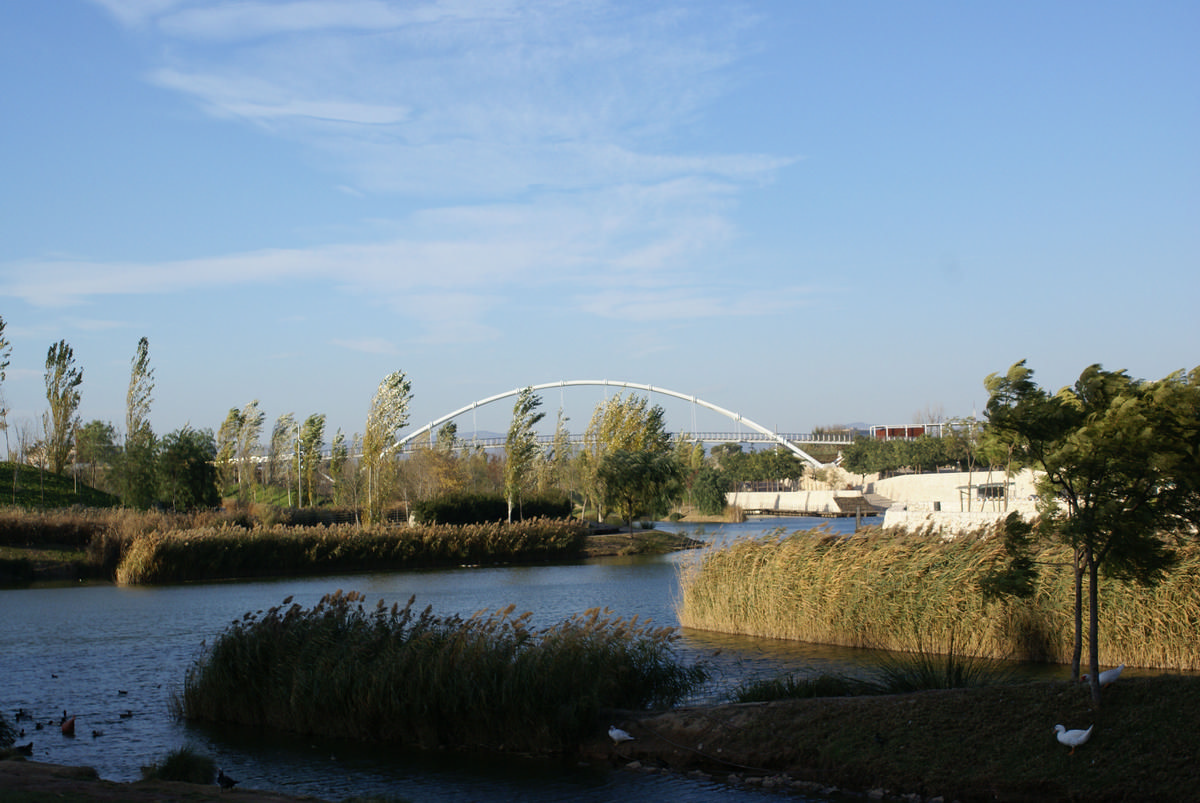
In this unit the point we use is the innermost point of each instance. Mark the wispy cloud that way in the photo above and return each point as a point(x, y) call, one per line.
point(540, 137)
point(460, 97)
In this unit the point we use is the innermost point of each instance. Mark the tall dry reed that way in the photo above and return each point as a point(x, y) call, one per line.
point(487, 681)
point(208, 553)
point(916, 592)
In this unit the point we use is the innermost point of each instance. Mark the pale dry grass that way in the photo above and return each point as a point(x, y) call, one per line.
point(918, 593)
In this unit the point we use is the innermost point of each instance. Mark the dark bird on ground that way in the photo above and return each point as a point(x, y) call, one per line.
point(224, 781)
point(24, 749)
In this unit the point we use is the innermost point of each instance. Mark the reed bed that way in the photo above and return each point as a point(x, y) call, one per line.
point(392, 674)
point(916, 592)
point(207, 553)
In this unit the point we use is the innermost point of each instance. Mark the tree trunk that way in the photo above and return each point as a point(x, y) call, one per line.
point(1093, 627)
point(1077, 649)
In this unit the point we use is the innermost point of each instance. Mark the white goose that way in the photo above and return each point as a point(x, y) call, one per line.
point(618, 735)
point(1072, 738)
point(1108, 676)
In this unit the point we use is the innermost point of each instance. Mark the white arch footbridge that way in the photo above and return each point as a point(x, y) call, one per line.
point(739, 418)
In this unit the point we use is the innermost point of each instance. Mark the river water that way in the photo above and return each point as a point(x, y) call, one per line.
point(112, 656)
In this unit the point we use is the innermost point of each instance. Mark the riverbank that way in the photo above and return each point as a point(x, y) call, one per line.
point(639, 542)
point(991, 743)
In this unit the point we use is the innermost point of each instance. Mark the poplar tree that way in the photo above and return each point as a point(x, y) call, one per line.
point(138, 481)
point(250, 424)
point(281, 436)
point(227, 446)
point(5, 353)
point(312, 439)
point(63, 379)
point(520, 446)
point(387, 415)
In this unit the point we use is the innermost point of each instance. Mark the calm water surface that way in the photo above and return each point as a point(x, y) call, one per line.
point(112, 656)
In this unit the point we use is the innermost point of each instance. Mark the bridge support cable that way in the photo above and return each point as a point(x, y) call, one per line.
point(607, 383)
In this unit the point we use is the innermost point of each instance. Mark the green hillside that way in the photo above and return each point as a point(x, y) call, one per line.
point(28, 487)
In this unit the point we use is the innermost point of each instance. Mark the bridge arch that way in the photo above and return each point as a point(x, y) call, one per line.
point(784, 442)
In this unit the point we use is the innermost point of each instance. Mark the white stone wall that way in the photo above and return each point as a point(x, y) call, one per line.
point(949, 491)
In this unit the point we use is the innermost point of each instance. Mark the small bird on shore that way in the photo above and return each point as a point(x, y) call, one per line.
point(225, 782)
point(1107, 677)
point(1072, 738)
point(618, 735)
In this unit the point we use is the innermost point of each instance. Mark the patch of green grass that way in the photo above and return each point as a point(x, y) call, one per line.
point(792, 687)
point(34, 488)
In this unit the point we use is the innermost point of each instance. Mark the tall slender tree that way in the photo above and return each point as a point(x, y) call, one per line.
point(281, 438)
point(250, 426)
point(387, 415)
point(520, 447)
point(312, 441)
point(137, 476)
point(63, 379)
point(227, 445)
point(5, 354)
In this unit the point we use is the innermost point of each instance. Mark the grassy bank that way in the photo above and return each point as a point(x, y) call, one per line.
point(913, 592)
point(977, 744)
point(490, 681)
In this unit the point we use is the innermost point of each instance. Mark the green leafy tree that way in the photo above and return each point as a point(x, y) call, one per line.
point(187, 471)
point(709, 486)
point(621, 423)
point(63, 379)
point(249, 432)
point(639, 481)
point(339, 457)
point(138, 483)
point(387, 415)
point(312, 441)
point(227, 449)
point(1118, 463)
point(96, 449)
point(283, 434)
point(521, 447)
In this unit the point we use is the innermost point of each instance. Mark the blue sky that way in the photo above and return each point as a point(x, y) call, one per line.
point(810, 213)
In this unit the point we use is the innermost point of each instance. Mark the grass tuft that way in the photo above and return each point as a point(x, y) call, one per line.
point(183, 764)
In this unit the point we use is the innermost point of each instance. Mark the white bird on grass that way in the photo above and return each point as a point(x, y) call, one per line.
point(1072, 738)
point(618, 735)
point(1108, 676)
